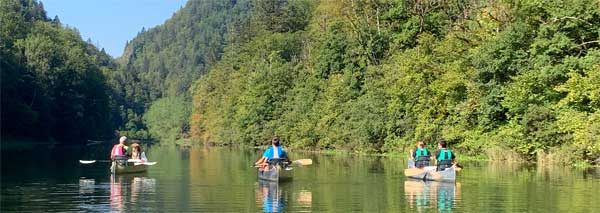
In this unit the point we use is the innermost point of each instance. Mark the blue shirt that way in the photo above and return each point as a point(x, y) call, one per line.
point(269, 153)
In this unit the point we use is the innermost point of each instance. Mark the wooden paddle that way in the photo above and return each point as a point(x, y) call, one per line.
point(302, 162)
point(413, 171)
point(457, 167)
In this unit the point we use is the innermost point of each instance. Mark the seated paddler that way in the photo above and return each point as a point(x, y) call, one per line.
point(273, 155)
point(118, 154)
point(119, 151)
point(420, 155)
point(137, 153)
point(444, 157)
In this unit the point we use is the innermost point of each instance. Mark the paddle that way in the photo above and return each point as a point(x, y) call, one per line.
point(135, 162)
point(413, 171)
point(138, 162)
point(144, 163)
point(302, 162)
point(93, 161)
point(457, 167)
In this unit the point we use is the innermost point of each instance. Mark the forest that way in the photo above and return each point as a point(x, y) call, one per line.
point(505, 79)
point(54, 84)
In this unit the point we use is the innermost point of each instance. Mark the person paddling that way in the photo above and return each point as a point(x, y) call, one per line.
point(118, 154)
point(119, 149)
point(444, 157)
point(420, 155)
point(273, 154)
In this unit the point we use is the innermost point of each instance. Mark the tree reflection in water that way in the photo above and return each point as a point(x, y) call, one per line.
point(431, 194)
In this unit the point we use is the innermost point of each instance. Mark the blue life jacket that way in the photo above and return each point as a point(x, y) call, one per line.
point(270, 153)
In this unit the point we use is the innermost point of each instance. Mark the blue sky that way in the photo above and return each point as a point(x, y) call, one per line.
point(110, 23)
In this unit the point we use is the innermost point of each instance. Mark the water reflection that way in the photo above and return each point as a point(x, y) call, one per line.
point(269, 195)
point(132, 186)
point(116, 192)
point(431, 194)
point(86, 186)
point(141, 185)
point(304, 198)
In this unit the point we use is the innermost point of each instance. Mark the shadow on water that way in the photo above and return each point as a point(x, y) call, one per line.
point(423, 195)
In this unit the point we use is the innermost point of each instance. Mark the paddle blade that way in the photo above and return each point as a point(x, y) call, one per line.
point(303, 162)
point(457, 167)
point(144, 163)
point(413, 172)
point(87, 161)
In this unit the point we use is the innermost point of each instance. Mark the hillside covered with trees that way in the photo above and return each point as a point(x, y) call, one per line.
point(162, 63)
point(54, 84)
point(503, 78)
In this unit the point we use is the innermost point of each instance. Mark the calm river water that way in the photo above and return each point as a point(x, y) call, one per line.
point(222, 180)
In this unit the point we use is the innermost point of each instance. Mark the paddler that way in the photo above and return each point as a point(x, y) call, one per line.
point(118, 154)
point(119, 149)
point(420, 155)
point(444, 157)
point(275, 152)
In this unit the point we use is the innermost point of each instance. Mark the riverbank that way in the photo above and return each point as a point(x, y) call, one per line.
point(490, 155)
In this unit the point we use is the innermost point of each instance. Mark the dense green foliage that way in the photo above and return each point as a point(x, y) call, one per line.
point(53, 86)
point(510, 78)
point(374, 76)
point(168, 118)
point(165, 60)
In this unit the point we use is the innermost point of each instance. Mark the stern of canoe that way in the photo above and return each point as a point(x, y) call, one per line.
point(415, 173)
point(430, 173)
point(274, 173)
point(448, 175)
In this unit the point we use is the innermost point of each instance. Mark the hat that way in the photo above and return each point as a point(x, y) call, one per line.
point(123, 139)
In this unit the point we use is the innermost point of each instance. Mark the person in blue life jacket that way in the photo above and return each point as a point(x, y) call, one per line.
point(444, 157)
point(420, 155)
point(273, 154)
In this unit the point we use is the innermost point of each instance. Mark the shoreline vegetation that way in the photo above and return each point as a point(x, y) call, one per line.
point(509, 80)
point(490, 156)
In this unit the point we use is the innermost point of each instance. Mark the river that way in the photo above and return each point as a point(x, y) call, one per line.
point(204, 179)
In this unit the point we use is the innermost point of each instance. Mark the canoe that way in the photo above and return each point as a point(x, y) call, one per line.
point(430, 173)
point(127, 168)
point(448, 175)
point(274, 173)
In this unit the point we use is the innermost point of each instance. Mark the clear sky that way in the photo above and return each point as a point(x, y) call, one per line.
point(110, 23)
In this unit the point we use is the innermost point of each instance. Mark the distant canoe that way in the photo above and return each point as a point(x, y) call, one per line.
point(430, 173)
point(274, 173)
